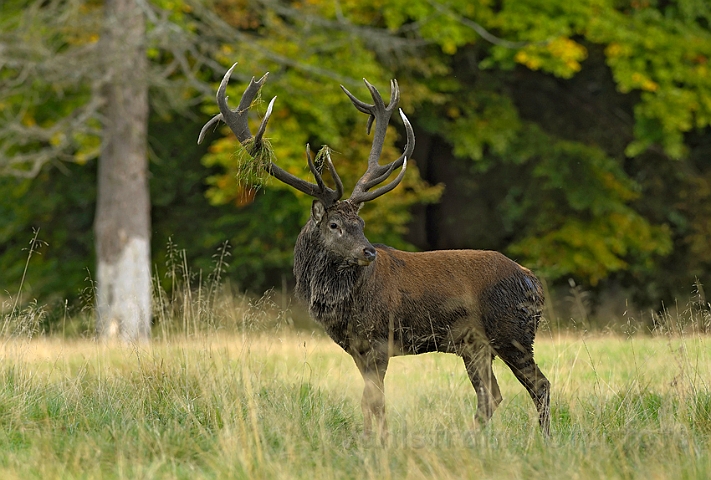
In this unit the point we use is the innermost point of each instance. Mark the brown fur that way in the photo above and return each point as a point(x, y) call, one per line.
point(474, 303)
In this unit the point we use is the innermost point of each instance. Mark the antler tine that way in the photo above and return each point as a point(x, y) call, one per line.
point(368, 196)
point(237, 121)
point(409, 142)
point(390, 167)
point(334, 174)
point(359, 104)
point(205, 127)
point(327, 194)
point(401, 161)
point(263, 125)
point(376, 173)
point(314, 170)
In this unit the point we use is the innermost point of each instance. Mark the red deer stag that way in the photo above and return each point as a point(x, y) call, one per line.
point(377, 302)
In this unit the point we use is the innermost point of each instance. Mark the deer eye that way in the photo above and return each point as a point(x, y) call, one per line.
point(333, 225)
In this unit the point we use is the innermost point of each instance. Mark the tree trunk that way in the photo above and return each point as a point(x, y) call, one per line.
point(122, 222)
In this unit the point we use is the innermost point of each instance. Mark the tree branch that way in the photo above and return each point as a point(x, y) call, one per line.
point(483, 33)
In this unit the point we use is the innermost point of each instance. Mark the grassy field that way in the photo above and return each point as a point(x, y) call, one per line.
point(287, 405)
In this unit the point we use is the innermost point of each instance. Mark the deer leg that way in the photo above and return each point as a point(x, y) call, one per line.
point(520, 361)
point(478, 363)
point(373, 367)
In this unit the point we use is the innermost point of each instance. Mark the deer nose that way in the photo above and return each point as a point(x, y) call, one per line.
point(369, 253)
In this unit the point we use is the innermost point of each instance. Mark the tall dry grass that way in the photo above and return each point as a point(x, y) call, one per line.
point(286, 405)
point(229, 389)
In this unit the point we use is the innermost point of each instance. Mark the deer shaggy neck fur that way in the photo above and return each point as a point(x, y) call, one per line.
point(326, 282)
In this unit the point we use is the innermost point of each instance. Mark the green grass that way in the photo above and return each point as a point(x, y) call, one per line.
point(285, 405)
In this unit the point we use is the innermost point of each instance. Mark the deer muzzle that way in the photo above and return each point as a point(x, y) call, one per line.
point(369, 255)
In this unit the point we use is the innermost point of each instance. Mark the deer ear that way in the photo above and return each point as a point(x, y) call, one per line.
point(317, 211)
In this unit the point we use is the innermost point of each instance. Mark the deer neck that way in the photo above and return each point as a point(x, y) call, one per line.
point(323, 281)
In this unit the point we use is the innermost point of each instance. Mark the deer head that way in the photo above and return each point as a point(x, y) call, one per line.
point(338, 220)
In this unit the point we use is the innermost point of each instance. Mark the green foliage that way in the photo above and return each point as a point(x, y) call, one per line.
point(481, 122)
point(586, 228)
point(664, 55)
point(59, 204)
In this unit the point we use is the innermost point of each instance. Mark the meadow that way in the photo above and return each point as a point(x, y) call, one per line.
point(284, 403)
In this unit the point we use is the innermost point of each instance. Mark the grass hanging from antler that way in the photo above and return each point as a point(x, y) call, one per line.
point(253, 163)
point(320, 159)
point(253, 160)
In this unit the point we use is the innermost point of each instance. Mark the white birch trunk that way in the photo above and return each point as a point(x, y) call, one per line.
point(123, 297)
point(122, 221)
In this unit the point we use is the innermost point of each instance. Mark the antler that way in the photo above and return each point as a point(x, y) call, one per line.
point(237, 121)
point(376, 173)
